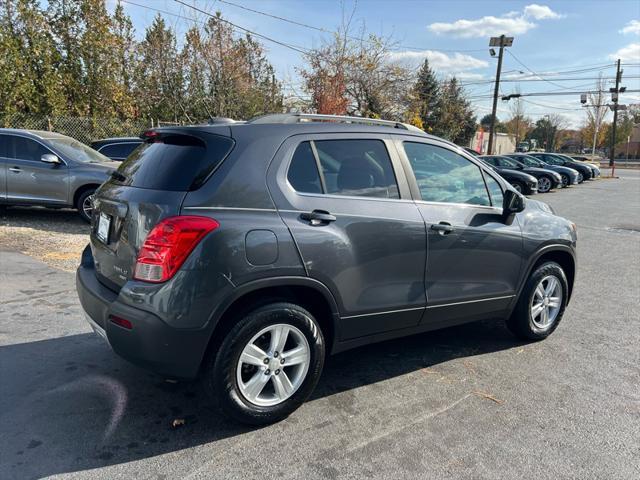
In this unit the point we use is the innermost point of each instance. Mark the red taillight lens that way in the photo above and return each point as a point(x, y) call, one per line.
point(122, 322)
point(169, 244)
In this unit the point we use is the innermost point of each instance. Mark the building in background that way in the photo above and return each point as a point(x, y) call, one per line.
point(502, 142)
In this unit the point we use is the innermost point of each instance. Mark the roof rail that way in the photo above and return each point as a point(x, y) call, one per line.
point(310, 117)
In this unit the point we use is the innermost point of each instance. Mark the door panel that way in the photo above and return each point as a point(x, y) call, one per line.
point(30, 180)
point(474, 254)
point(370, 253)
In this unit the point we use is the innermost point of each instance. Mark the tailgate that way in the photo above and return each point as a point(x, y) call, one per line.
point(127, 215)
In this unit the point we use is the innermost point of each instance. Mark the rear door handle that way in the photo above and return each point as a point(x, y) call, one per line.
point(318, 217)
point(443, 228)
point(15, 169)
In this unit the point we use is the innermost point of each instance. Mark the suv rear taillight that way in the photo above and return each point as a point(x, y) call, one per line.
point(169, 244)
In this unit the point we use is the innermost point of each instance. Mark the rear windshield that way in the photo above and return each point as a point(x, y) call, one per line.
point(173, 162)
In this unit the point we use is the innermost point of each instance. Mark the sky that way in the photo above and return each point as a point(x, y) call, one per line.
point(553, 41)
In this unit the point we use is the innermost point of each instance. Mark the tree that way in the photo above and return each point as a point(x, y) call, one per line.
point(427, 99)
point(354, 75)
point(125, 58)
point(485, 123)
point(593, 132)
point(518, 124)
point(29, 79)
point(457, 122)
point(159, 74)
point(546, 131)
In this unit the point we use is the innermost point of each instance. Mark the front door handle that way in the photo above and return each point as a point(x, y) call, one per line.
point(318, 217)
point(15, 169)
point(443, 228)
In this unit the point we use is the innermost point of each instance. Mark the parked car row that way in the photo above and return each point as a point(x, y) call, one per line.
point(540, 172)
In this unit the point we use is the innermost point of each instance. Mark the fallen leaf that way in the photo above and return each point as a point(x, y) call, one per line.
point(177, 422)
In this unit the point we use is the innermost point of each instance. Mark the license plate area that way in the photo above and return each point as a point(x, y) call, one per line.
point(104, 227)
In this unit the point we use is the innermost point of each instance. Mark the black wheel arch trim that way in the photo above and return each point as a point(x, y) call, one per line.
point(555, 247)
point(285, 281)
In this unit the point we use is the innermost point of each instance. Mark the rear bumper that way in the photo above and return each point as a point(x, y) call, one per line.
point(151, 343)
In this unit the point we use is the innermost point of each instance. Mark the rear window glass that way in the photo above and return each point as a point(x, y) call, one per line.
point(119, 150)
point(173, 162)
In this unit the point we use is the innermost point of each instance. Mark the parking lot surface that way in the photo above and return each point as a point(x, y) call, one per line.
point(465, 402)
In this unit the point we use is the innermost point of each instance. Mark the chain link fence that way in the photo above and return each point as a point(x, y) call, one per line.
point(84, 129)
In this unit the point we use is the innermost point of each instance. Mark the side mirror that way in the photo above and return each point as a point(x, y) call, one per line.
point(50, 158)
point(512, 202)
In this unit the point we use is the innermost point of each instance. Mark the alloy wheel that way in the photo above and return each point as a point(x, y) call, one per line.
point(565, 180)
point(580, 178)
point(546, 302)
point(87, 206)
point(544, 184)
point(273, 365)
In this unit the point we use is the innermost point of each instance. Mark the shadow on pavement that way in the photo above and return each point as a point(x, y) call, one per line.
point(46, 219)
point(69, 404)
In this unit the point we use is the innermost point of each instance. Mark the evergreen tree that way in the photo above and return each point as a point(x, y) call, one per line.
point(457, 122)
point(159, 75)
point(125, 60)
point(427, 97)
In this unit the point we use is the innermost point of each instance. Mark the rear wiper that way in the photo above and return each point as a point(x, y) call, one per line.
point(116, 175)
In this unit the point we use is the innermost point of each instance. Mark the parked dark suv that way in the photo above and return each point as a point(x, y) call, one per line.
point(245, 253)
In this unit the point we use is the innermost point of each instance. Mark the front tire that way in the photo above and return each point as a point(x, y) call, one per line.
point(580, 177)
point(519, 186)
point(566, 181)
point(545, 184)
point(267, 365)
point(541, 304)
point(84, 205)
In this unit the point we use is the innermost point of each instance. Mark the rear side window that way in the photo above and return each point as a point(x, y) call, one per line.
point(174, 162)
point(303, 172)
point(119, 150)
point(360, 168)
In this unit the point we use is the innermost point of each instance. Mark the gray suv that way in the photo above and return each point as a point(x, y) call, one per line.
point(244, 253)
point(51, 170)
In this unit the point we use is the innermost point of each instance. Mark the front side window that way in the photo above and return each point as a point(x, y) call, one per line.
point(444, 176)
point(22, 148)
point(495, 190)
point(359, 168)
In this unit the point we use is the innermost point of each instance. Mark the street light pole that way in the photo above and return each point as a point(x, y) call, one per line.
point(501, 42)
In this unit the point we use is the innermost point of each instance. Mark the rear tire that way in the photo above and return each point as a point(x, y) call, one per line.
point(541, 304)
point(84, 205)
point(252, 358)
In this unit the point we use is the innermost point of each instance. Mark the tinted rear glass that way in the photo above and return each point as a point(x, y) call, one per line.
point(119, 150)
point(174, 162)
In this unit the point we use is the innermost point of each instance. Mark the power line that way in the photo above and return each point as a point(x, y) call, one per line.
point(193, 7)
point(326, 30)
point(534, 73)
point(233, 25)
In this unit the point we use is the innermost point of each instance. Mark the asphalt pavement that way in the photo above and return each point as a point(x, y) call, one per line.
point(465, 402)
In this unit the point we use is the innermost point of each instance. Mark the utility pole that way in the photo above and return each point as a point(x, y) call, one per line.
point(501, 42)
point(614, 99)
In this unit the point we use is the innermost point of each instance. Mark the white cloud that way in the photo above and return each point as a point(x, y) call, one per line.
point(632, 27)
point(511, 23)
point(540, 12)
point(630, 53)
point(441, 62)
